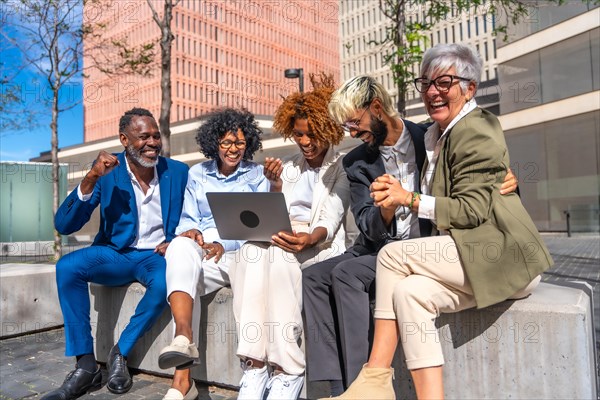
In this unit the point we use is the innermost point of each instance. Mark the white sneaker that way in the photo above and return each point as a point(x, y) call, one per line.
point(284, 387)
point(253, 383)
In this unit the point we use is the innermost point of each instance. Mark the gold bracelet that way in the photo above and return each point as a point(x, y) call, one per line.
point(415, 196)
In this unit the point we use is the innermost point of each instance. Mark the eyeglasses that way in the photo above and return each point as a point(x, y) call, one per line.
point(226, 144)
point(442, 83)
point(354, 125)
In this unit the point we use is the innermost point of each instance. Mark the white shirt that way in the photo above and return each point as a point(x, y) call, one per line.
point(400, 162)
point(150, 231)
point(205, 178)
point(434, 141)
point(302, 197)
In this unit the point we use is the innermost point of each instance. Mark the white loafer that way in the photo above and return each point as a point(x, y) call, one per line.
point(180, 353)
point(174, 394)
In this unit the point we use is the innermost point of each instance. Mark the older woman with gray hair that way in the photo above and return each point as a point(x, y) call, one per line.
point(418, 279)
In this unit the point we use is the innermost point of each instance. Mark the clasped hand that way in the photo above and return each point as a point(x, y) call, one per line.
point(214, 249)
point(388, 193)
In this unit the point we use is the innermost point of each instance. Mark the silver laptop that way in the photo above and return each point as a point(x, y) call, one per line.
point(249, 215)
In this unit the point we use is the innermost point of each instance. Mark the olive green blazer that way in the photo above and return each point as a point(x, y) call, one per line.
point(500, 247)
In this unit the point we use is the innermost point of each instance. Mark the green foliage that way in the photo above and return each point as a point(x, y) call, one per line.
point(411, 20)
point(138, 60)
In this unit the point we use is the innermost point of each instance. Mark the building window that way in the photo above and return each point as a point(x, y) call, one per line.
point(561, 62)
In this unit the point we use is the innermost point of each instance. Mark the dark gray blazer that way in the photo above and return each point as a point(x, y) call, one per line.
point(362, 167)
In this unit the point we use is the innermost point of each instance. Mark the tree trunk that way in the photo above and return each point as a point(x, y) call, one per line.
point(400, 28)
point(55, 169)
point(164, 121)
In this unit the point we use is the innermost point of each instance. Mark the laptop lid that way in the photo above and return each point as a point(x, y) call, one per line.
point(249, 215)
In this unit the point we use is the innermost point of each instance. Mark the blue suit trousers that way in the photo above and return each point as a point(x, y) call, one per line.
point(106, 266)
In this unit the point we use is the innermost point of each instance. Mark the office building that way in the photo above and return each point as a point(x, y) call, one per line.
point(224, 53)
point(549, 77)
point(362, 24)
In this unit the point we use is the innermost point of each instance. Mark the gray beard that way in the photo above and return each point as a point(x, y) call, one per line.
point(137, 156)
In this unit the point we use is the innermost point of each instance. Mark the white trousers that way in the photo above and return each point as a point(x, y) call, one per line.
point(267, 303)
point(188, 272)
point(416, 281)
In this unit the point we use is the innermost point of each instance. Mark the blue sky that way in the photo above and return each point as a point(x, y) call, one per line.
point(33, 139)
point(24, 144)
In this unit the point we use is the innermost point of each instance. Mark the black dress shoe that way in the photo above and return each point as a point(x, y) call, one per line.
point(76, 384)
point(119, 380)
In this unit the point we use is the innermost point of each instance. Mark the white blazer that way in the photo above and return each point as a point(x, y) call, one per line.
point(331, 198)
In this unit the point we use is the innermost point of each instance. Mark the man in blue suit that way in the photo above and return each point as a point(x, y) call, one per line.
point(140, 195)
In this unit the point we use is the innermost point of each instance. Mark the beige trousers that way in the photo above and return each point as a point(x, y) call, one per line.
point(416, 281)
point(267, 303)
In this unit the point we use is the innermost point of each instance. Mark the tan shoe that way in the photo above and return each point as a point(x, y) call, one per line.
point(180, 353)
point(371, 384)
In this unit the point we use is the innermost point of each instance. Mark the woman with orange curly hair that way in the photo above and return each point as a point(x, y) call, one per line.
point(267, 279)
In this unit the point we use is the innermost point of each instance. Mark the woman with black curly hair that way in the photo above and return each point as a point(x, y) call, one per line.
point(267, 281)
point(198, 260)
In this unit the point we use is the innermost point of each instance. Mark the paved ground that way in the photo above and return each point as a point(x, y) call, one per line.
point(576, 259)
point(34, 364)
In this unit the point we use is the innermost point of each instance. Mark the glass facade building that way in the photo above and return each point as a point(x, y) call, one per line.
point(550, 110)
point(26, 201)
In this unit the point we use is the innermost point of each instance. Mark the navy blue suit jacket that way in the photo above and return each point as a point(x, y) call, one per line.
point(362, 168)
point(118, 210)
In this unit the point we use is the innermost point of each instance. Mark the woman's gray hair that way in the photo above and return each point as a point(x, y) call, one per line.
point(357, 93)
point(465, 60)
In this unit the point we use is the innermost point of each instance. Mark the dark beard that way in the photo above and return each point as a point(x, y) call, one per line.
point(379, 131)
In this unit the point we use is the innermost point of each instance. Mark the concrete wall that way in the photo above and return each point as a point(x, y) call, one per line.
point(539, 347)
point(29, 300)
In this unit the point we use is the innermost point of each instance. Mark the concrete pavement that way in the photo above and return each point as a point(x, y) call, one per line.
point(34, 364)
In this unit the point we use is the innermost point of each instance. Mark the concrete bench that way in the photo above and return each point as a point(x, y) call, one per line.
point(539, 347)
point(112, 308)
point(29, 299)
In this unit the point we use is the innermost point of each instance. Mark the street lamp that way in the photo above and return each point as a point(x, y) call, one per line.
point(293, 73)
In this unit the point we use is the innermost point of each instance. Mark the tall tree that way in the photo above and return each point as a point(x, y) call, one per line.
point(166, 41)
point(48, 35)
point(405, 37)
